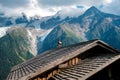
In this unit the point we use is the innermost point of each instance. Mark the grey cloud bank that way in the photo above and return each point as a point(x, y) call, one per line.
point(50, 7)
point(14, 3)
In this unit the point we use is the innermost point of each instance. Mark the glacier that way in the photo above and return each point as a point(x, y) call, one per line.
point(3, 31)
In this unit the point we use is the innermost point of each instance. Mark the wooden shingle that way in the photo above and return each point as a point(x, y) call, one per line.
point(54, 57)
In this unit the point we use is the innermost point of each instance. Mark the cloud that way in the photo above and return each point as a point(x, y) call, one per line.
point(67, 5)
point(50, 7)
point(57, 3)
point(65, 11)
point(112, 7)
point(78, 6)
point(14, 3)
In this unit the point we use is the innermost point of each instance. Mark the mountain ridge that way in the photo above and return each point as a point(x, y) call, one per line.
point(44, 33)
point(97, 25)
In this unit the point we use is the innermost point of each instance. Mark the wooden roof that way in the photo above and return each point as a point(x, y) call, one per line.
point(52, 58)
point(89, 67)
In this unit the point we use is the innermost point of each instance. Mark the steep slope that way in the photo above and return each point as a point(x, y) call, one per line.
point(13, 49)
point(37, 37)
point(90, 25)
point(67, 33)
point(102, 26)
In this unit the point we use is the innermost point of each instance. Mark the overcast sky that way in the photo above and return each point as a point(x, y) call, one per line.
point(50, 7)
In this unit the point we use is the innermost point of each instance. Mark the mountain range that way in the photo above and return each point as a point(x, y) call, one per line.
point(23, 38)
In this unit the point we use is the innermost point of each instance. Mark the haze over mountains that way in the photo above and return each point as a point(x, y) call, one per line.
point(37, 34)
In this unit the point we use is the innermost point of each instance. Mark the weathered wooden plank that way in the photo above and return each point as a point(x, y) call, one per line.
point(18, 74)
point(86, 68)
point(70, 75)
point(59, 77)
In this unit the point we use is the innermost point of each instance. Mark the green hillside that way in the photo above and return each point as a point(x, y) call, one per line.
point(13, 50)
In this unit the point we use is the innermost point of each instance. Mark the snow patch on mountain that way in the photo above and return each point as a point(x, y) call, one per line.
point(33, 35)
point(32, 40)
point(107, 20)
point(3, 31)
point(44, 34)
point(41, 33)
